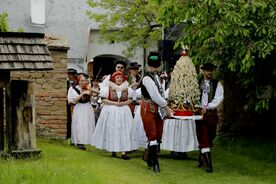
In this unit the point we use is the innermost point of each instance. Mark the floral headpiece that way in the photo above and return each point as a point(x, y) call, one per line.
point(117, 73)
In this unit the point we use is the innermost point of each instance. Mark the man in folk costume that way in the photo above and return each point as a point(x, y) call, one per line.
point(211, 97)
point(153, 108)
point(134, 81)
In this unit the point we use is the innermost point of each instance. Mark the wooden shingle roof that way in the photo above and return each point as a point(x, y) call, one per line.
point(24, 51)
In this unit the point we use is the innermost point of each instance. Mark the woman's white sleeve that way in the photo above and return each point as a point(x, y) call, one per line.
point(71, 95)
point(104, 92)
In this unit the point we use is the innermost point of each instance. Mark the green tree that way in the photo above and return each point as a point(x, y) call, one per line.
point(3, 22)
point(239, 37)
point(132, 22)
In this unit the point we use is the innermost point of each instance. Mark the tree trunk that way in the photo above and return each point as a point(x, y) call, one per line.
point(235, 120)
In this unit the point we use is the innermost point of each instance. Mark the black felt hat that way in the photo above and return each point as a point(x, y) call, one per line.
point(83, 74)
point(134, 65)
point(120, 62)
point(72, 71)
point(208, 66)
point(154, 59)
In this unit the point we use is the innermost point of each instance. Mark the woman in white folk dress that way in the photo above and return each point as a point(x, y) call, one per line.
point(142, 138)
point(115, 130)
point(83, 118)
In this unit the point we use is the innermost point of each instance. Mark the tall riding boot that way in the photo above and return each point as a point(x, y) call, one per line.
point(200, 162)
point(153, 155)
point(208, 162)
point(147, 157)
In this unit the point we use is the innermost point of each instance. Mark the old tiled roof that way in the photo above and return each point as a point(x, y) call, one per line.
point(24, 51)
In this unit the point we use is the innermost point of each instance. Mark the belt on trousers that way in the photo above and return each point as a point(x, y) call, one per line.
point(151, 106)
point(211, 112)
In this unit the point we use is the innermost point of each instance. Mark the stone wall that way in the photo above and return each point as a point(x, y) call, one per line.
point(50, 92)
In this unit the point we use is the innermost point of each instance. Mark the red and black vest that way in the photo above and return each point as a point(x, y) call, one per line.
point(113, 95)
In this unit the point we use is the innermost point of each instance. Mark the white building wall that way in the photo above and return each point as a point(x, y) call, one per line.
point(64, 18)
point(94, 49)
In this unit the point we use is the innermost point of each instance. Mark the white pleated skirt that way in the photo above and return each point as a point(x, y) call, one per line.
point(83, 123)
point(115, 130)
point(179, 135)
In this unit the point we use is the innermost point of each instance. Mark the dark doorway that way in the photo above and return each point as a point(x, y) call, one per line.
point(104, 65)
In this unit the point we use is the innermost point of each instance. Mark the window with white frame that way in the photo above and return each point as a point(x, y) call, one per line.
point(38, 11)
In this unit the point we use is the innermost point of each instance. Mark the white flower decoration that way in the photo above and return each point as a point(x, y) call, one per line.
point(184, 85)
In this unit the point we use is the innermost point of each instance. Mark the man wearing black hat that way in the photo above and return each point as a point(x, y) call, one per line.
point(134, 77)
point(71, 77)
point(211, 97)
point(134, 81)
point(153, 108)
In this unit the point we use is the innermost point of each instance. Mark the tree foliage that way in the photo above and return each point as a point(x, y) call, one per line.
point(237, 35)
point(4, 26)
point(132, 22)
point(3, 22)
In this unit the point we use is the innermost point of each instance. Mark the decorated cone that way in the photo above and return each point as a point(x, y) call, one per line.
point(184, 89)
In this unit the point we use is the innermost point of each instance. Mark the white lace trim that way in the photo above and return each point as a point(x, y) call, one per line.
point(114, 86)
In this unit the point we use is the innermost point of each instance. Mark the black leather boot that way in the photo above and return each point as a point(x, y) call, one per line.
point(153, 155)
point(113, 154)
point(81, 146)
point(200, 162)
point(208, 161)
point(147, 157)
point(173, 155)
point(183, 155)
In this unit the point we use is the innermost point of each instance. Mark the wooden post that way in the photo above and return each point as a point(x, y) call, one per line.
point(1, 119)
point(9, 127)
point(4, 84)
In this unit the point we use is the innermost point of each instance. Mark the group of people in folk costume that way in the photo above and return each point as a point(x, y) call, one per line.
point(134, 110)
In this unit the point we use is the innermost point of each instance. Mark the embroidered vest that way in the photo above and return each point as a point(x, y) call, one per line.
point(145, 93)
point(213, 86)
point(113, 95)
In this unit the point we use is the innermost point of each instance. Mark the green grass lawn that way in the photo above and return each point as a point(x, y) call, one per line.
point(235, 161)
